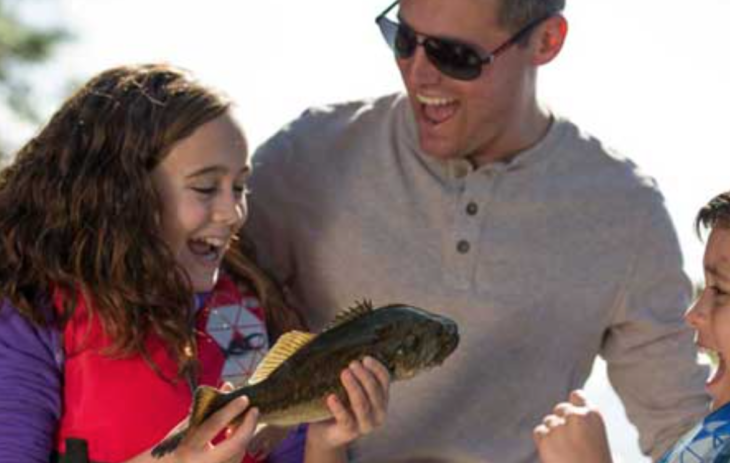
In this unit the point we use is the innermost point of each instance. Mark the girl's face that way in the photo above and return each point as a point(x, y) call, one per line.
point(710, 314)
point(202, 183)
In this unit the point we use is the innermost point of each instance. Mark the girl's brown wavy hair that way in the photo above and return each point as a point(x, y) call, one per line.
point(78, 211)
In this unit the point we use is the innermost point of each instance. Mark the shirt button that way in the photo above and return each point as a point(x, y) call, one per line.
point(472, 208)
point(463, 246)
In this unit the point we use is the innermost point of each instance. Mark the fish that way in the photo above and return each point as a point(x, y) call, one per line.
point(292, 382)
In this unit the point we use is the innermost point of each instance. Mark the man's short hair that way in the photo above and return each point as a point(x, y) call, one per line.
point(515, 14)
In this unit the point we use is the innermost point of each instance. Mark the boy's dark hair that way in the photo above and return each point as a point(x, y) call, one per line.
point(715, 213)
point(78, 210)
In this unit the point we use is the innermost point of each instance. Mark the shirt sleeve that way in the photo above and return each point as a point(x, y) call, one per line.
point(30, 388)
point(649, 350)
point(291, 449)
point(269, 186)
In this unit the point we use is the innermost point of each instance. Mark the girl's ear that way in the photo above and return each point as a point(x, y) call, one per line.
point(549, 39)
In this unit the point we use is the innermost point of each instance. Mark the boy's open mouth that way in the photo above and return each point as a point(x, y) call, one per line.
point(717, 365)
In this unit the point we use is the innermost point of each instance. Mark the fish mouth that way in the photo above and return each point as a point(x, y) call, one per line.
point(448, 340)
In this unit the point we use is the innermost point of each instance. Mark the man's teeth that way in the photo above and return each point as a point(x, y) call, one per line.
point(435, 101)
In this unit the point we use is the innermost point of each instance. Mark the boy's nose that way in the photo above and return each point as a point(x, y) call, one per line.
point(698, 312)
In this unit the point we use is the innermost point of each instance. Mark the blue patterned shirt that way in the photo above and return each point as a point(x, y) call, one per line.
point(708, 442)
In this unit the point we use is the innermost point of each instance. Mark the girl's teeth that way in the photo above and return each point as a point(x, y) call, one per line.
point(204, 249)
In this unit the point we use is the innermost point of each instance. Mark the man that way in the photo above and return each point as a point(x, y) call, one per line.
point(470, 198)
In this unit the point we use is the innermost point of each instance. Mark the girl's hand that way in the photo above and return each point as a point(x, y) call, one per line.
point(197, 447)
point(367, 384)
point(573, 433)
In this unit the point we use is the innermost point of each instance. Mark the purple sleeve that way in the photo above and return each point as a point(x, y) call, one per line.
point(31, 363)
point(291, 449)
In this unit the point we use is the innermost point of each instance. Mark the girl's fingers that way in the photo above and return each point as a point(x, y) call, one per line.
point(375, 380)
point(218, 422)
point(227, 387)
point(379, 370)
point(358, 398)
point(376, 395)
point(340, 413)
point(237, 442)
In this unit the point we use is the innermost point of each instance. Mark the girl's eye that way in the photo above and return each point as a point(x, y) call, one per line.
point(241, 190)
point(204, 190)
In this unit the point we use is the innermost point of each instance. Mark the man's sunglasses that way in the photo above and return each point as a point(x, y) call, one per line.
point(453, 58)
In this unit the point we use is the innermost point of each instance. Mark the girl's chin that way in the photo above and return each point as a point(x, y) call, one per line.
point(205, 284)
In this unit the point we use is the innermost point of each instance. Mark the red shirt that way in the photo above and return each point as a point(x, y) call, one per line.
point(121, 406)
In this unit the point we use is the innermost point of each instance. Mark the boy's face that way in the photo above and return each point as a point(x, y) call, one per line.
point(201, 184)
point(710, 315)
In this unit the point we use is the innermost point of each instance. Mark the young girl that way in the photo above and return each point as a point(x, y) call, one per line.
point(575, 432)
point(121, 291)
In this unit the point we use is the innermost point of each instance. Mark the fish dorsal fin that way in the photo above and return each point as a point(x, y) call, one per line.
point(360, 309)
point(287, 345)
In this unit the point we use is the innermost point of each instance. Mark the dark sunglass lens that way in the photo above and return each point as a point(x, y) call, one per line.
point(388, 29)
point(405, 42)
point(454, 59)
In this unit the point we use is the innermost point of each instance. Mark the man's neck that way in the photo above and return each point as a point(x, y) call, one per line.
point(528, 131)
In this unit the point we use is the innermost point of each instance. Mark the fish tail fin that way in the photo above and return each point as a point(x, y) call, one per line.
point(206, 401)
point(169, 444)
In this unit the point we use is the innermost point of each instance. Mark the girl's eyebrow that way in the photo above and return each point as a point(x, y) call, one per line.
point(216, 170)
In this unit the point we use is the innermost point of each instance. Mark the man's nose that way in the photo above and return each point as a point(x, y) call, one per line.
point(422, 71)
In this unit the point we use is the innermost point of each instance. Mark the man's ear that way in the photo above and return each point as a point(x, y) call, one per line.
point(549, 38)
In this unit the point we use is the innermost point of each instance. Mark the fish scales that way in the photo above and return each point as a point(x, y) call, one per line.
point(292, 382)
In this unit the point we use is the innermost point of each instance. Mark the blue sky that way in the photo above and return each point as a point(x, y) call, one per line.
point(649, 77)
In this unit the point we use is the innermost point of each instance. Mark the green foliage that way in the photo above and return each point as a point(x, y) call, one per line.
point(22, 45)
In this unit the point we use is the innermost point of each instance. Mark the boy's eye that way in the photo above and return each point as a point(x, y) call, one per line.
point(718, 291)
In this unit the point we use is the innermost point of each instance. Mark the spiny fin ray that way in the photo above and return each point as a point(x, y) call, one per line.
point(287, 345)
point(360, 309)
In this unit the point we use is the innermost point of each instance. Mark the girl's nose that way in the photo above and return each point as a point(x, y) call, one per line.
point(230, 210)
